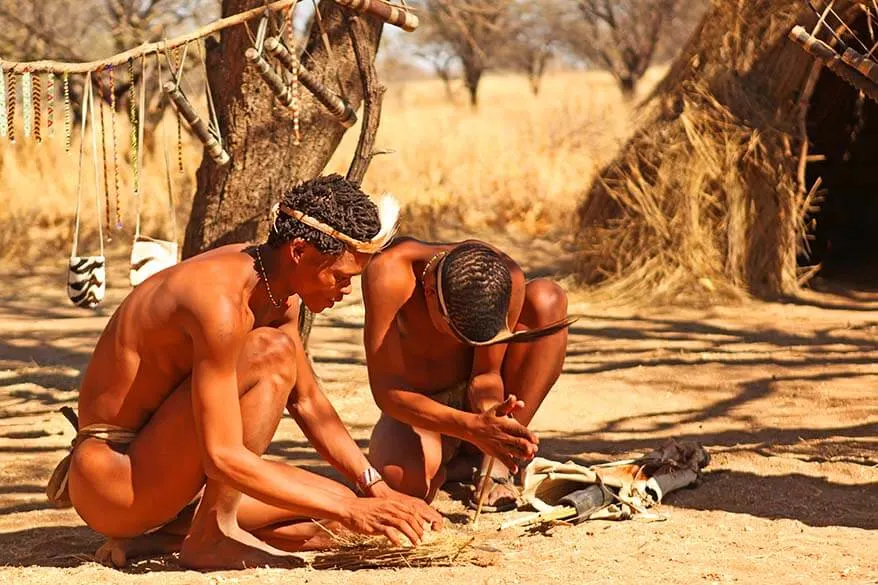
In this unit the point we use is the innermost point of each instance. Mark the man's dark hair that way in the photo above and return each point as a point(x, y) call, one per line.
point(335, 201)
point(476, 286)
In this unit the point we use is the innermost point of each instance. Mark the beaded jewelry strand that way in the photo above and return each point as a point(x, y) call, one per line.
point(10, 106)
point(295, 81)
point(132, 119)
point(104, 152)
point(177, 68)
point(27, 105)
point(50, 105)
point(67, 122)
point(4, 123)
point(114, 148)
point(38, 107)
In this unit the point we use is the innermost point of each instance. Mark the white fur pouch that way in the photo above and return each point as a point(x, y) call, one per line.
point(148, 256)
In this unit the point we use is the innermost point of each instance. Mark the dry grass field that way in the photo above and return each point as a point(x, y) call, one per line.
point(520, 162)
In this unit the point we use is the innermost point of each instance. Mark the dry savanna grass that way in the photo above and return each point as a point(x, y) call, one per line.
point(519, 162)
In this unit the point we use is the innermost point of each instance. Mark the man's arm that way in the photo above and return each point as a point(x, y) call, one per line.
point(217, 336)
point(318, 419)
point(315, 415)
point(386, 288)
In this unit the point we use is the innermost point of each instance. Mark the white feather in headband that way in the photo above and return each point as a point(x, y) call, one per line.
point(388, 216)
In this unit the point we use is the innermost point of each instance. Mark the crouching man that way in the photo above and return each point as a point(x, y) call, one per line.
point(460, 350)
point(187, 385)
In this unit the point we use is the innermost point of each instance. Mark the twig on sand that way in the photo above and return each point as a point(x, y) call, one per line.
point(483, 489)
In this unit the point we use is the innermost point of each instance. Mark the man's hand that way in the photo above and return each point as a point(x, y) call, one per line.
point(382, 490)
point(496, 434)
point(386, 516)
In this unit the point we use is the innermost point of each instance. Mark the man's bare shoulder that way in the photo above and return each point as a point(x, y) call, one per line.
point(392, 269)
point(210, 287)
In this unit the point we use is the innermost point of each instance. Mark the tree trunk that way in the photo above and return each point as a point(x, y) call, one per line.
point(472, 75)
point(232, 202)
point(627, 85)
point(536, 69)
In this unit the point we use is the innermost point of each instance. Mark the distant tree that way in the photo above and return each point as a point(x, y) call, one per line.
point(81, 30)
point(465, 33)
point(532, 35)
point(625, 36)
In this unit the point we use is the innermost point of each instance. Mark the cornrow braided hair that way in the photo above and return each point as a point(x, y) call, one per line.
point(476, 286)
point(336, 202)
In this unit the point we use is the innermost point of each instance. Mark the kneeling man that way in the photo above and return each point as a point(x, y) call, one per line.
point(187, 385)
point(460, 349)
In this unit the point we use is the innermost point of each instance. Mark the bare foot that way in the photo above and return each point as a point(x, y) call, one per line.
point(237, 550)
point(117, 552)
point(501, 497)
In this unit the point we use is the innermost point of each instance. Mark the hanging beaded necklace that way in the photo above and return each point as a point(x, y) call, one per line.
point(264, 276)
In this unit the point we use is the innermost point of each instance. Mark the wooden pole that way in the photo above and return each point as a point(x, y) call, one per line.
point(211, 144)
point(336, 105)
point(145, 49)
point(373, 95)
point(833, 61)
point(483, 490)
point(390, 14)
point(272, 79)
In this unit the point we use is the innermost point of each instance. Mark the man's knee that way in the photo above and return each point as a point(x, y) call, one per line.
point(412, 474)
point(271, 354)
point(546, 301)
point(415, 480)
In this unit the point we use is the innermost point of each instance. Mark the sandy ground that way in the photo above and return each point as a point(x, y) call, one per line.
point(783, 396)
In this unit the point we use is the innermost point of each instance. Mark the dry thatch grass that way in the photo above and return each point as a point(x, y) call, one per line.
point(438, 549)
point(708, 198)
point(687, 226)
point(520, 163)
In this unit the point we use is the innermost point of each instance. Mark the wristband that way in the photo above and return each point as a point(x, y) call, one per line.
point(369, 478)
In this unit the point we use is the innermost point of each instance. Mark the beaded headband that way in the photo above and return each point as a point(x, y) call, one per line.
point(388, 216)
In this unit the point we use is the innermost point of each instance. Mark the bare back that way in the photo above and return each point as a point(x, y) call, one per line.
point(144, 352)
point(425, 359)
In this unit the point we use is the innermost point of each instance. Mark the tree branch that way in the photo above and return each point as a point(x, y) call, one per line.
point(122, 58)
point(373, 94)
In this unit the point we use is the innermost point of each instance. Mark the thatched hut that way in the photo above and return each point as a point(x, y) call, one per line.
point(714, 193)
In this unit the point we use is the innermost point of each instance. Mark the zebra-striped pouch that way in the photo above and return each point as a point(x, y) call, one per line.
point(148, 256)
point(87, 280)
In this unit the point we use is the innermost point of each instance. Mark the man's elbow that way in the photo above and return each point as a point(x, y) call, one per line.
point(386, 402)
point(225, 464)
point(302, 401)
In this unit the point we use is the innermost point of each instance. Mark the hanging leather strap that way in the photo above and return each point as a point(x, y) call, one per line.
point(87, 104)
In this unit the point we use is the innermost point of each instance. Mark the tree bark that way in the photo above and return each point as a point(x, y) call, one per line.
point(472, 76)
point(232, 202)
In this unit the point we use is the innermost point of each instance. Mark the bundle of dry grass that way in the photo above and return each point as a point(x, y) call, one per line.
point(709, 197)
point(439, 549)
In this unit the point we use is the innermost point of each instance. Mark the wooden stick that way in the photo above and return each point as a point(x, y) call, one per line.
point(861, 63)
point(338, 107)
point(373, 95)
point(561, 513)
point(390, 14)
point(483, 490)
point(211, 144)
point(147, 48)
point(275, 83)
point(833, 61)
